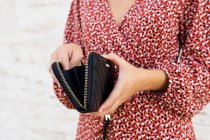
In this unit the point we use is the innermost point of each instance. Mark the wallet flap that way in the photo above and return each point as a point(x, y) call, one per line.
point(101, 80)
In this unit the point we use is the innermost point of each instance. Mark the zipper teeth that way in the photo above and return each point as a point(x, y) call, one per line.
point(69, 89)
point(85, 84)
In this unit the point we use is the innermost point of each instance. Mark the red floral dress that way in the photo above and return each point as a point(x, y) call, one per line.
point(171, 35)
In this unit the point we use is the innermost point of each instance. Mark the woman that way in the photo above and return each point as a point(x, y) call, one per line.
point(162, 50)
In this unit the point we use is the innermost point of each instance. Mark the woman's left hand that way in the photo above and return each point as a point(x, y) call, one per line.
point(130, 80)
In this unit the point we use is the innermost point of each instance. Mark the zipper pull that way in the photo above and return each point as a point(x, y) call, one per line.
point(106, 123)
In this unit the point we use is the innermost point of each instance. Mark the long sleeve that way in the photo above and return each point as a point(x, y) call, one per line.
point(61, 95)
point(189, 79)
point(72, 34)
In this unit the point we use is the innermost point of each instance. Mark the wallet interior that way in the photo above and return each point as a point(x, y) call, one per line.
point(75, 79)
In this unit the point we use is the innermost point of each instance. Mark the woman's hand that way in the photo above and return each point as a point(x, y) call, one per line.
point(131, 79)
point(69, 55)
point(127, 84)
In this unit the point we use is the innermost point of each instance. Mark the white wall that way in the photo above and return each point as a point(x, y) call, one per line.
point(29, 110)
point(29, 31)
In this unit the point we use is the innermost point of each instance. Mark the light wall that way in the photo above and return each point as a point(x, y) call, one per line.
point(29, 31)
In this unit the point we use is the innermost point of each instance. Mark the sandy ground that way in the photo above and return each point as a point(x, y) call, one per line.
point(29, 31)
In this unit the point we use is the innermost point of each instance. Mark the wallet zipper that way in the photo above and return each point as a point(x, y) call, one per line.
point(85, 84)
point(69, 89)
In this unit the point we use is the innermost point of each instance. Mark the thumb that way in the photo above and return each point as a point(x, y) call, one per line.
point(114, 58)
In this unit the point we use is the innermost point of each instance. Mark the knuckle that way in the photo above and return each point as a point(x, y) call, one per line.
point(52, 55)
point(69, 45)
point(66, 45)
point(63, 58)
point(61, 50)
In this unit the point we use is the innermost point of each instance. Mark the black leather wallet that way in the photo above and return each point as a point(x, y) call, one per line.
point(87, 86)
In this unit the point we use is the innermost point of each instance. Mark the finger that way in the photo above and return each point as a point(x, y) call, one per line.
point(95, 114)
point(108, 111)
point(80, 63)
point(113, 108)
point(76, 58)
point(114, 58)
point(75, 54)
point(113, 97)
point(64, 59)
point(52, 60)
point(64, 55)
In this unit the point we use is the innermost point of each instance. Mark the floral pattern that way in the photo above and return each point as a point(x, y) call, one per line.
point(155, 34)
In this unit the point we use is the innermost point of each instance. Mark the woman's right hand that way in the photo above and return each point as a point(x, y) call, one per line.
point(69, 55)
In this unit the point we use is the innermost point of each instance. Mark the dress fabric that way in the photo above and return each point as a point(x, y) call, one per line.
point(170, 35)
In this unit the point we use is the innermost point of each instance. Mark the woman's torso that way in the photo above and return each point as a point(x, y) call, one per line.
point(148, 33)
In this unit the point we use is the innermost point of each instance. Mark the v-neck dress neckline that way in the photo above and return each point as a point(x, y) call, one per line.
point(125, 17)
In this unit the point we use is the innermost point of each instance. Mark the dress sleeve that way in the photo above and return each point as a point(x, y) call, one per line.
point(72, 34)
point(188, 90)
point(62, 96)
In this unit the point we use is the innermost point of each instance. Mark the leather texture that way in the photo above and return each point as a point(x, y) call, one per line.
point(100, 82)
